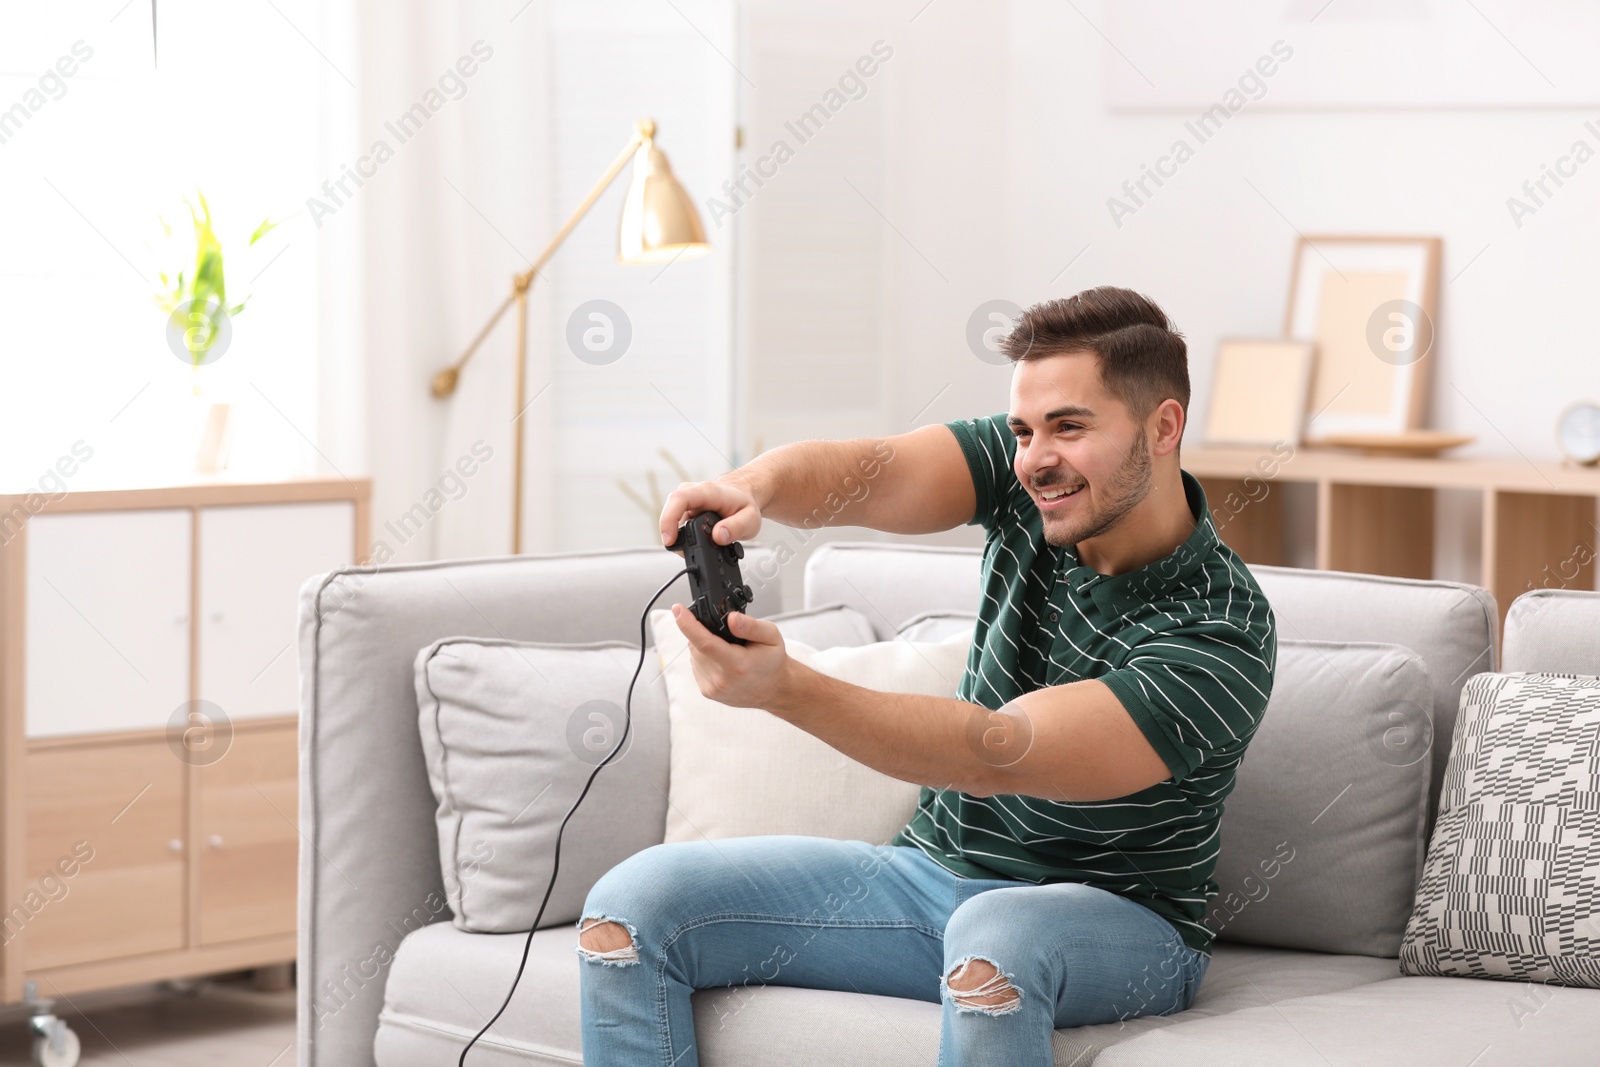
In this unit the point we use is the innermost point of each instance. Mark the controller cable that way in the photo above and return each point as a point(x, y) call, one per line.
point(627, 720)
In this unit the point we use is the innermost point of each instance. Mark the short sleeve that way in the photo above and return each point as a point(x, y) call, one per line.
point(989, 446)
point(1196, 690)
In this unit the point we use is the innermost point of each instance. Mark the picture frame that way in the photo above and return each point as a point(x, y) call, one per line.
point(1259, 387)
point(1369, 305)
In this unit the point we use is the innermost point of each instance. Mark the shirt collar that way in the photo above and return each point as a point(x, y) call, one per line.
point(1117, 594)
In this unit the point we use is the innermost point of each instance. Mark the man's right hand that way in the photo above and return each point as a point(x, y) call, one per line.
point(741, 515)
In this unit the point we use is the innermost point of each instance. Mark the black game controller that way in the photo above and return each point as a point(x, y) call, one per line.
point(715, 586)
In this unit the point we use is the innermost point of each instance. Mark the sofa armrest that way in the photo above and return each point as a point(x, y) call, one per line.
point(369, 856)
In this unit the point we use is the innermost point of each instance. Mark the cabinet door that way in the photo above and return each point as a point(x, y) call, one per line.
point(248, 845)
point(117, 810)
point(253, 560)
point(107, 620)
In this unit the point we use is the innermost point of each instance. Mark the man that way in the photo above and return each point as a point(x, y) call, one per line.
point(1059, 865)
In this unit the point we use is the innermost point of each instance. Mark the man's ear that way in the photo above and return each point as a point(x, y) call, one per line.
point(1165, 427)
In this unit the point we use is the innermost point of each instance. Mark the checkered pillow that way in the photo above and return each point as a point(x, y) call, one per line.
point(1510, 889)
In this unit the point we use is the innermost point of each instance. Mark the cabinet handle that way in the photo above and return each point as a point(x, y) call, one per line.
point(215, 841)
point(175, 845)
point(180, 620)
point(216, 616)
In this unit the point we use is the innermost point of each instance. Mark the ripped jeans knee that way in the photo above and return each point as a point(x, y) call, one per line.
point(990, 995)
point(596, 932)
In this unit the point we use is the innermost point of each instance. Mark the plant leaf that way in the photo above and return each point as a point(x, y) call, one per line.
point(266, 227)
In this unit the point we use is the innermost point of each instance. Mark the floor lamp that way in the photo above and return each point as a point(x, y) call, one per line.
point(659, 224)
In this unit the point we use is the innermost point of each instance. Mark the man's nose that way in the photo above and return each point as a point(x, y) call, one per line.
point(1035, 464)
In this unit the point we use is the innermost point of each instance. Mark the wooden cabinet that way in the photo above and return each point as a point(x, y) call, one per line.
point(247, 837)
point(108, 600)
point(118, 809)
point(1376, 514)
point(148, 725)
point(249, 596)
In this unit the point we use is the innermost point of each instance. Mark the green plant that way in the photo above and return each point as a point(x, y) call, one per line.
point(196, 299)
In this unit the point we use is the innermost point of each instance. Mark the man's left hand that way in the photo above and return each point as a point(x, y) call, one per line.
point(743, 676)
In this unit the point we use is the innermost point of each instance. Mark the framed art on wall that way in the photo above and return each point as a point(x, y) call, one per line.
point(1369, 305)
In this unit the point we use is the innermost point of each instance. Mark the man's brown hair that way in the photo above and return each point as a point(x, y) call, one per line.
point(1143, 360)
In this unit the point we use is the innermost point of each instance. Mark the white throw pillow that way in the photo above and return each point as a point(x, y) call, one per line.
point(741, 772)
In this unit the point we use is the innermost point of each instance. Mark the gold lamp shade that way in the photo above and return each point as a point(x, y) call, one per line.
point(659, 221)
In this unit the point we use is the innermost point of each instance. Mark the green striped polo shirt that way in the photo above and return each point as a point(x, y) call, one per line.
point(1186, 643)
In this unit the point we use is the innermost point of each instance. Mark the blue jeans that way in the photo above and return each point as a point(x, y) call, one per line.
point(846, 915)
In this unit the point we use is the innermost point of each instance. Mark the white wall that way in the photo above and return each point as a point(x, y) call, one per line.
point(1005, 155)
point(1001, 155)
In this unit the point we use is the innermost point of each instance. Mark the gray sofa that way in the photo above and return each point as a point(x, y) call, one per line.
point(385, 978)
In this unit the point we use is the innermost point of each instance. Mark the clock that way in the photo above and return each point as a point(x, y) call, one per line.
point(1578, 432)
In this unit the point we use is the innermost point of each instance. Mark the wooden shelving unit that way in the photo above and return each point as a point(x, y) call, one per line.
point(1375, 514)
point(125, 856)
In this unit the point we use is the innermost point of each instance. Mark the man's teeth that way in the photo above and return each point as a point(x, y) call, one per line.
point(1057, 494)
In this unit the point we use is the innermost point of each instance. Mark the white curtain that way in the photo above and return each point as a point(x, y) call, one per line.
point(468, 200)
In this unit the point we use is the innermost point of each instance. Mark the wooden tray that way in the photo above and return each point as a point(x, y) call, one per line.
point(1412, 443)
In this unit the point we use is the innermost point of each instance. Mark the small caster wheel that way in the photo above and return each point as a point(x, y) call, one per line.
point(56, 1045)
point(184, 987)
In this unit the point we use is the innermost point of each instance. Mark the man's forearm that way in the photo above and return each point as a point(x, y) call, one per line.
point(815, 483)
point(914, 738)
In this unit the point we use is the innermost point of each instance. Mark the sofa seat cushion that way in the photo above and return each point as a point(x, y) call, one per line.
point(445, 983)
point(1400, 1022)
point(1240, 978)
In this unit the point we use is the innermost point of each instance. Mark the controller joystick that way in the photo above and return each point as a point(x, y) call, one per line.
point(716, 589)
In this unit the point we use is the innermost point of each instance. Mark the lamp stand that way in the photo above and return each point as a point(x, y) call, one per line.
point(522, 283)
point(444, 383)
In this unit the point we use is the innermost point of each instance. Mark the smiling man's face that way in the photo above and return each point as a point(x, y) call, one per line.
point(1081, 454)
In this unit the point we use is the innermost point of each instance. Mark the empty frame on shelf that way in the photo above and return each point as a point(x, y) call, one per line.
point(1369, 305)
point(1258, 392)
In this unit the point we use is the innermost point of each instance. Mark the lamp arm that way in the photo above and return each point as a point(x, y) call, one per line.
point(445, 381)
point(526, 278)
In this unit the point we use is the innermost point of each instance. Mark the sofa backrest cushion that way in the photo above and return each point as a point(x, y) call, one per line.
point(1554, 630)
point(1450, 625)
point(891, 583)
point(937, 625)
point(1322, 838)
point(825, 626)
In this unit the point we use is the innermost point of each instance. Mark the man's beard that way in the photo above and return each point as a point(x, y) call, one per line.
point(1123, 490)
